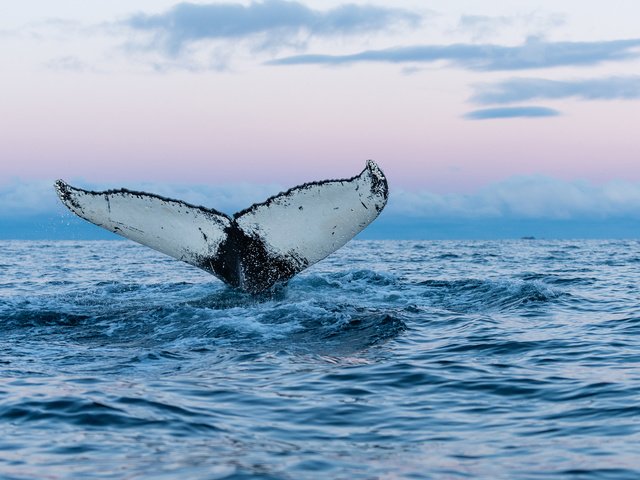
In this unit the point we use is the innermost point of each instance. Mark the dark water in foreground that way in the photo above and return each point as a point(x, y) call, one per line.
point(502, 359)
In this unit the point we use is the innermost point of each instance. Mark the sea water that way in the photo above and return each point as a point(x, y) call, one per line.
point(389, 359)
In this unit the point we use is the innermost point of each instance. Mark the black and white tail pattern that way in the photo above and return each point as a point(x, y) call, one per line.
point(253, 250)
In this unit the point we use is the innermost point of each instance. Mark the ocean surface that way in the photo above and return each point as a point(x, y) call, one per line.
point(389, 359)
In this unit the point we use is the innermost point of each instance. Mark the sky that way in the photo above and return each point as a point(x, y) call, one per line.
point(490, 119)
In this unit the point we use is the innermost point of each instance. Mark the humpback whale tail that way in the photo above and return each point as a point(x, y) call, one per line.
point(254, 249)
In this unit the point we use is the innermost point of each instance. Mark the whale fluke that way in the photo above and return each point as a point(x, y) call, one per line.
point(254, 249)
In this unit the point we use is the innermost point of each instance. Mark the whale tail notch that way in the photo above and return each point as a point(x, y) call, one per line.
point(256, 248)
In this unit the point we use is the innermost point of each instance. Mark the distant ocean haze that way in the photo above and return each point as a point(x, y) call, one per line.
point(521, 206)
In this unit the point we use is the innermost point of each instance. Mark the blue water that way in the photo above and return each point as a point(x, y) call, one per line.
point(501, 359)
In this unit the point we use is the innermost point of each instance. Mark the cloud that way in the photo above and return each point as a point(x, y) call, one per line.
point(279, 20)
point(531, 205)
point(524, 89)
point(32, 197)
point(532, 54)
point(535, 23)
point(528, 198)
point(511, 112)
point(482, 26)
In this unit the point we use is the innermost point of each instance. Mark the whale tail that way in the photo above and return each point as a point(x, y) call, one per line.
point(254, 249)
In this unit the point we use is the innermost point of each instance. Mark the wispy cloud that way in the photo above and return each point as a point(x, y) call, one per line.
point(272, 20)
point(511, 112)
point(532, 54)
point(525, 89)
point(535, 23)
point(481, 26)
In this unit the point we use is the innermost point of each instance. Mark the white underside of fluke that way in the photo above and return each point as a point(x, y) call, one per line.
point(267, 243)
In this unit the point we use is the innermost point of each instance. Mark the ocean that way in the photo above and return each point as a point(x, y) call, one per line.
point(387, 360)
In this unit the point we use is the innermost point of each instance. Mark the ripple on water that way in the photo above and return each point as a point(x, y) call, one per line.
point(388, 359)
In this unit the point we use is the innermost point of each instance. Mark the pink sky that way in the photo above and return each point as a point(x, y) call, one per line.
point(77, 104)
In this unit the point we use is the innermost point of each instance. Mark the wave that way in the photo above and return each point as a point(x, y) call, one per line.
point(316, 313)
point(473, 296)
point(347, 279)
point(555, 279)
point(123, 412)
